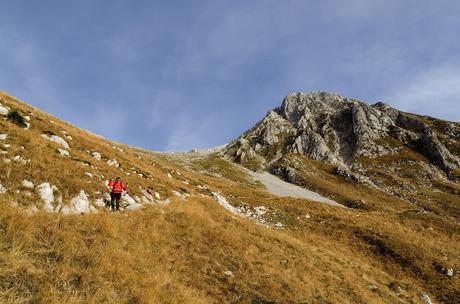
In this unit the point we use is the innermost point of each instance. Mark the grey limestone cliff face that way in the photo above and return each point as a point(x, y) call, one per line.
point(338, 130)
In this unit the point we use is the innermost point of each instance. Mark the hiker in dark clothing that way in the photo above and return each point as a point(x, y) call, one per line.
point(115, 195)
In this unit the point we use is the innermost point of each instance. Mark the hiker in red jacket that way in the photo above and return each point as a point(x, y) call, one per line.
point(115, 194)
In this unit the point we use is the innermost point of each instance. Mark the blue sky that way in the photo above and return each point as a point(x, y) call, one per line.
point(176, 75)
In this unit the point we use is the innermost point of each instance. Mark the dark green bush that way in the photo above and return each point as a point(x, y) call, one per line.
point(16, 117)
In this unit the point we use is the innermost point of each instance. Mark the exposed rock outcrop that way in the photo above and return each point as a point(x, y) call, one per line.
point(339, 131)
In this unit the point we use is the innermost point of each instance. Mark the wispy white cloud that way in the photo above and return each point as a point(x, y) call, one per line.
point(434, 92)
point(177, 77)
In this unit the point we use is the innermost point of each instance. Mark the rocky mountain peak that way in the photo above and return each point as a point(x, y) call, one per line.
point(338, 130)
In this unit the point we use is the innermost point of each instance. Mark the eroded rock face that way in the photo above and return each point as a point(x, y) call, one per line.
point(338, 130)
point(436, 152)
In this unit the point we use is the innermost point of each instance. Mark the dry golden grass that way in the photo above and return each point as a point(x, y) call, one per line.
point(179, 254)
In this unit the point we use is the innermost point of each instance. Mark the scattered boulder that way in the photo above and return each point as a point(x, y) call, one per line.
point(46, 192)
point(27, 184)
point(179, 194)
point(78, 204)
point(279, 225)
point(100, 202)
point(2, 189)
point(229, 273)
point(96, 155)
point(63, 152)
point(260, 211)
point(3, 136)
point(127, 199)
point(147, 197)
point(57, 140)
point(426, 299)
point(4, 110)
point(224, 203)
point(130, 203)
point(164, 202)
point(113, 162)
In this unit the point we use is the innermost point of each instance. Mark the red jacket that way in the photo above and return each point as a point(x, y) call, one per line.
point(117, 187)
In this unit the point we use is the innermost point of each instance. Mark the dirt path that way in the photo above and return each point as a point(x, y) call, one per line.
point(279, 187)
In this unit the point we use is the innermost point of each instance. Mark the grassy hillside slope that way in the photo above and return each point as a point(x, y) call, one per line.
point(194, 251)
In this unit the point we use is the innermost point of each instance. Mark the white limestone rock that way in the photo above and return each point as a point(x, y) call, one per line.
point(224, 203)
point(46, 192)
point(113, 162)
point(56, 139)
point(2, 189)
point(229, 273)
point(96, 155)
point(130, 203)
point(99, 202)
point(80, 203)
point(27, 184)
point(147, 195)
point(426, 299)
point(63, 152)
point(4, 110)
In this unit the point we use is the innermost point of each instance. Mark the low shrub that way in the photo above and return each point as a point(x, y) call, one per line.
point(16, 117)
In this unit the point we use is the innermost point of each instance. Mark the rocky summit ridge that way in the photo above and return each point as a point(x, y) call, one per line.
point(338, 130)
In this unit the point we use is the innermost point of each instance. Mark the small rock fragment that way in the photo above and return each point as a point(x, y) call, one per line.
point(2, 189)
point(113, 162)
point(63, 152)
point(4, 110)
point(426, 299)
point(228, 273)
point(27, 184)
point(97, 155)
point(57, 140)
